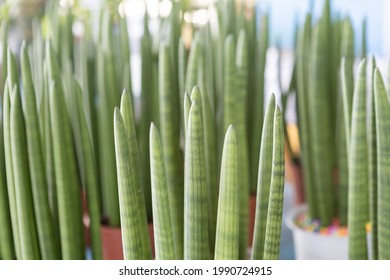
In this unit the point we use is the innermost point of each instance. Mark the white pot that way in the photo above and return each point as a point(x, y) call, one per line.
point(315, 246)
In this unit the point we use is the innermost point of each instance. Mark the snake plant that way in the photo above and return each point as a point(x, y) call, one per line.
point(147, 116)
point(196, 238)
point(162, 222)
point(264, 180)
point(106, 102)
point(382, 110)
point(358, 172)
point(8, 153)
point(36, 164)
point(68, 191)
point(344, 131)
point(170, 137)
point(210, 157)
point(275, 205)
point(29, 243)
point(7, 250)
point(256, 100)
point(325, 82)
point(136, 244)
point(60, 139)
point(91, 178)
point(373, 166)
point(227, 237)
point(320, 126)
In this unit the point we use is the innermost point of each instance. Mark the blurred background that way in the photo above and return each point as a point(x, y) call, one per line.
point(284, 16)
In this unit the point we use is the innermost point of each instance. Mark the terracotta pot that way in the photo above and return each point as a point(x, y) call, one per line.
point(112, 242)
point(252, 213)
point(298, 182)
point(86, 220)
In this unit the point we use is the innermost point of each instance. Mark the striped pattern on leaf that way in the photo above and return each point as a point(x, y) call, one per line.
point(256, 101)
point(320, 126)
point(136, 243)
point(196, 239)
point(358, 172)
point(36, 164)
point(227, 236)
point(163, 230)
point(91, 178)
point(303, 61)
point(264, 181)
point(7, 250)
point(382, 109)
point(275, 205)
point(373, 167)
point(210, 159)
point(29, 243)
point(9, 169)
point(170, 139)
point(65, 165)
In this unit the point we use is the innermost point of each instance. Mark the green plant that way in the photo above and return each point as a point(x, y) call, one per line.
point(170, 139)
point(165, 246)
point(132, 204)
point(382, 110)
point(358, 209)
point(373, 166)
point(60, 108)
point(325, 88)
point(227, 234)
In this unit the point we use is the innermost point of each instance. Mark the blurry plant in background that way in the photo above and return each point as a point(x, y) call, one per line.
point(20, 14)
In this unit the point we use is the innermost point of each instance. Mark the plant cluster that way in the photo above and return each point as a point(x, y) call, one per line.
point(187, 162)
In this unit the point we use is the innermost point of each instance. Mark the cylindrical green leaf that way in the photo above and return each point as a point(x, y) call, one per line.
point(256, 101)
point(91, 179)
point(146, 112)
point(227, 236)
point(210, 158)
point(382, 109)
point(264, 181)
point(187, 107)
point(108, 98)
point(36, 163)
point(29, 242)
point(65, 165)
point(303, 60)
point(196, 239)
point(170, 138)
point(240, 124)
point(320, 126)
point(136, 243)
point(163, 230)
point(373, 167)
point(7, 250)
point(182, 69)
point(275, 206)
point(192, 67)
point(9, 168)
point(358, 172)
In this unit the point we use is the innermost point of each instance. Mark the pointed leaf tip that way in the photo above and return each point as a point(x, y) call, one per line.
point(195, 93)
point(231, 133)
point(117, 115)
point(152, 131)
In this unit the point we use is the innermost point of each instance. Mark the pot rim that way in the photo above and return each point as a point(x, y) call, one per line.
point(290, 222)
point(292, 213)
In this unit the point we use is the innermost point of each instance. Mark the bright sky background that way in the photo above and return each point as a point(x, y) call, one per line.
point(284, 14)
